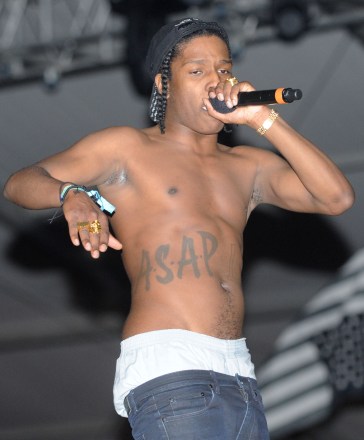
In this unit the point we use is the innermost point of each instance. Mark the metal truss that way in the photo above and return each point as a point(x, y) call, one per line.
point(254, 21)
point(49, 38)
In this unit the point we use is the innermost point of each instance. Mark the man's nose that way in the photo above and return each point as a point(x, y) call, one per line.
point(214, 79)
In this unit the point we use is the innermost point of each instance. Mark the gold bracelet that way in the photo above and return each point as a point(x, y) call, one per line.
point(268, 122)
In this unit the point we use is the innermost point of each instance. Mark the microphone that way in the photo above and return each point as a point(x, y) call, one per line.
point(259, 97)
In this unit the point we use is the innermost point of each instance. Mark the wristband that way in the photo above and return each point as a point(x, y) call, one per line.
point(67, 188)
point(100, 201)
point(93, 193)
point(273, 115)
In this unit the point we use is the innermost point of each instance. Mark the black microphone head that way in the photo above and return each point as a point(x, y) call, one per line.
point(298, 93)
point(220, 106)
point(290, 95)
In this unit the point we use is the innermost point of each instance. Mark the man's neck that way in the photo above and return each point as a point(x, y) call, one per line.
point(193, 141)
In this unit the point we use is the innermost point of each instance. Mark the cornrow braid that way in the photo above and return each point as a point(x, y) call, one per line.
point(162, 101)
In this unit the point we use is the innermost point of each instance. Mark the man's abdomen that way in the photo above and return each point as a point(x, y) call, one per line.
point(188, 278)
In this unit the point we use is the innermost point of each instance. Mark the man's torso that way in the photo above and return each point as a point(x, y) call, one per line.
point(180, 217)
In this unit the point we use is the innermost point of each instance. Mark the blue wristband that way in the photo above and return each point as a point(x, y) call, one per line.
point(100, 201)
point(94, 195)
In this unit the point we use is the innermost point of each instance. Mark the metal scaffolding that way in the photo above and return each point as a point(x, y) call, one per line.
point(47, 39)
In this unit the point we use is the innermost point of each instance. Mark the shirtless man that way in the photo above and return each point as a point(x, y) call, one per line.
point(182, 202)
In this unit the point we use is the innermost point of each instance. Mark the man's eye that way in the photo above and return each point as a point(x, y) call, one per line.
point(225, 71)
point(195, 72)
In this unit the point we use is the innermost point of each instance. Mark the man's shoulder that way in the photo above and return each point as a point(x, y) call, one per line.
point(248, 150)
point(114, 139)
point(244, 152)
point(255, 154)
point(118, 133)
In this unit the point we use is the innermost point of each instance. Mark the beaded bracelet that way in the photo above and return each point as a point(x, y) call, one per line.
point(67, 188)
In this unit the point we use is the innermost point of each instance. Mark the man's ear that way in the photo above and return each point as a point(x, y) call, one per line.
point(158, 83)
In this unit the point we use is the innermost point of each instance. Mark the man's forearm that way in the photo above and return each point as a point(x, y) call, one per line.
point(33, 188)
point(318, 173)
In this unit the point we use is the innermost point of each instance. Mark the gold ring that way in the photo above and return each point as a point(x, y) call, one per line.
point(233, 80)
point(83, 226)
point(94, 227)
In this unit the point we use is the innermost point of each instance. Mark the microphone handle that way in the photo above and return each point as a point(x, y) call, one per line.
point(274, 96)
point(259, 97)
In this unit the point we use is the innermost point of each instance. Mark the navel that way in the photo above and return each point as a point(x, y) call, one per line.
point(225, 287)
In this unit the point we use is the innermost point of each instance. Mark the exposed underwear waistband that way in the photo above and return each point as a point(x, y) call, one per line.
point(153, 354)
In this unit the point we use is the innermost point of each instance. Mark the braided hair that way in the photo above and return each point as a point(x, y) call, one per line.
point(166, 72)
point(166, 75)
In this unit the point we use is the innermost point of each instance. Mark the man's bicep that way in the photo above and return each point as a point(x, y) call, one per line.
point(280, 186)
point(88, 162)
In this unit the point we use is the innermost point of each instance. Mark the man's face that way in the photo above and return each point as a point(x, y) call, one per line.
point(201, 64)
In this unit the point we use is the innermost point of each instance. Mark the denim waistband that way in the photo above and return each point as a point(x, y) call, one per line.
point(186, 377)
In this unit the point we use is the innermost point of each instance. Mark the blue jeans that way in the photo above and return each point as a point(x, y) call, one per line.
point(195, 405)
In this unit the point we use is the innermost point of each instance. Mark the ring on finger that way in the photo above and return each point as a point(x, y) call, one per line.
point(83, 226)
point(94, 227)
point(233, 80)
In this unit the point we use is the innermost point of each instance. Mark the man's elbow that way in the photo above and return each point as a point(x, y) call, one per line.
point(13, 189)
point(342, 202)
point(7, 191)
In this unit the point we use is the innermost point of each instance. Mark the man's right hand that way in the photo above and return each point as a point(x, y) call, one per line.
point(79, 208)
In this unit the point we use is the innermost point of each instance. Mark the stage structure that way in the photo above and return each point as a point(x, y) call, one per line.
point(45, 40)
